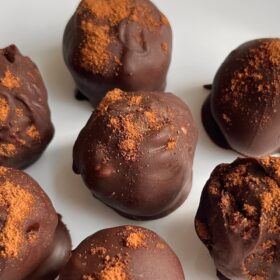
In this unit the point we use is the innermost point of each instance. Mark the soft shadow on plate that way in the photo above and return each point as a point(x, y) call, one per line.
point(193, 255)
point(58, 78)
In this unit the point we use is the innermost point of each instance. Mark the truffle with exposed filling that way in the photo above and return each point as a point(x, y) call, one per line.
point(243, 109)
point(136, 153)
point(34, 243)
point(123, 44)
point(123, 253)
point(239, 219)
point(25, 125)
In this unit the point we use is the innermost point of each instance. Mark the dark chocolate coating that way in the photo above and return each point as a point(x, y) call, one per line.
point(155, 179)
point(40, 223)
point(108, 253)
point(25, 125)
point(144, 55)
point(243, 111)
point(59, 255)
point(238, 219)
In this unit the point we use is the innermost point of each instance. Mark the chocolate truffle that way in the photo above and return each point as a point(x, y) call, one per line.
point(136, 152)
point(239, 219)
point(126, 252)
point(25, 126)
point(243, 110)
point(34, 244)
point(123, 44)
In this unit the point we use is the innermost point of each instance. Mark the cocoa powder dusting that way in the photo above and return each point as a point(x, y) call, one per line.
point(136, 240)
point(9, 80)
point(249, 81)
point(251, 218)
point(18, 203)
point(110, 98)
point(87, 277)
point(95, 52)
point(33, 132)
point(98, 251)
point(7, 150)
point(114, 270)
point(130, 125)
point(4, 109)
point(171, 145)
point(113, 10)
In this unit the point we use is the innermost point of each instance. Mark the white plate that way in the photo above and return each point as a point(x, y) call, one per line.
point(204, 33)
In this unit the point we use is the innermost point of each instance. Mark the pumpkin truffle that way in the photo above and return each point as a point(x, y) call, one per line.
point(25, 125)
point(136, 153)
point(243, 110)
point(123, 44)
point(239, 219)
point(126, 252)
point(31, 234)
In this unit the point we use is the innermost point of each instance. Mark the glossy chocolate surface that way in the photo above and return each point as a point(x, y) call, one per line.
point(238, 219)
point(136, 152)
point(126, 252)
point(243, 110)
point(25, 125)
point(28, 224)
point(137, 52)
point(34, 243)
point(58, 257)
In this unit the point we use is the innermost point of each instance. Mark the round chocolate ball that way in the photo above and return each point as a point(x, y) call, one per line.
point(126, 252)
point(30, 230)
point(238, 219)
point(123, 44)
point(136, 153)
point(243, 110)
point(25, 125)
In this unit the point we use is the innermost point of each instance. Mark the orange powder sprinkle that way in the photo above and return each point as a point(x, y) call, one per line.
point(136, 240)
point(18, 203)
point(98, 251)
point(135, 100)
point(110, 98)
point(114, 270)
point(87, 277)
point(4, 109)
point(98, 36)
point(151, 116)
point(171, 145)
point(127, 146)
point(33, 133)
point(94, 54)
point(7, 150)
point(160, 246)
point(130, 125)
point(114, 10)
point(9, 80)
point(19, 112)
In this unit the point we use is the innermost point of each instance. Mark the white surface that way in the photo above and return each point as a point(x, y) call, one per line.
point(204, 33)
